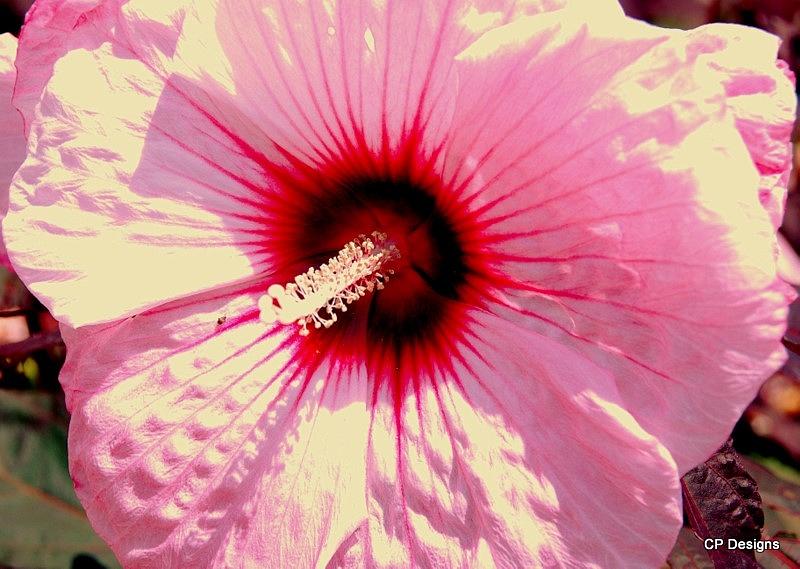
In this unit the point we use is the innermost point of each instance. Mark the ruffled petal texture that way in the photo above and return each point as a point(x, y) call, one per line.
point(210, 447)
point(12, 141)
point(115, 224)
point(195, 443)
point(630, 310)
point(624, 205)
point(49, 26)
point(761, 99)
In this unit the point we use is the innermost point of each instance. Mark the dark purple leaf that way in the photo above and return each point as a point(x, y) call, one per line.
point(791, 345)
point(721, 501)
point(25, 347)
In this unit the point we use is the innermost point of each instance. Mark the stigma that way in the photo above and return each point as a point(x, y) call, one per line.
point(315, 296)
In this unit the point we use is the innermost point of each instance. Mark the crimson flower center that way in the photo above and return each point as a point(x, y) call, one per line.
point(431, 266)
point(411, 326)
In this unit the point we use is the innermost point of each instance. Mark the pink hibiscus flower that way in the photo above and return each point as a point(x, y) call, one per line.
point(585, 297)
point(12, 141)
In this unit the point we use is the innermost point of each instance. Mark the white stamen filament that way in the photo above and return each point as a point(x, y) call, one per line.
point(315, 295)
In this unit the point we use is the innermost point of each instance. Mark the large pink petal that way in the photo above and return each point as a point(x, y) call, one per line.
point(12, 141)
point(523, 457)
point(623, 208)
point(198, 444)
point(165, 170)
point(194, 443)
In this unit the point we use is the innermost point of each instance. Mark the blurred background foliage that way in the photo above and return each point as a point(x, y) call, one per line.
point(44, 527)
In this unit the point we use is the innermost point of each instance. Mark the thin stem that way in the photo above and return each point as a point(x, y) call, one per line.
point(25, 347)
point(9, 312)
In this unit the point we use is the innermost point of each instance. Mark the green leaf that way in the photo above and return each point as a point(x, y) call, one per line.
point(43, 524)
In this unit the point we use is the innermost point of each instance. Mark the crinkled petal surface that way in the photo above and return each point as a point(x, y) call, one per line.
point(211, 444)
point(12, 141)
point(44, 39)
point(629, 311)
point(209, 447)
point(96, 190)
point(761, 100)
